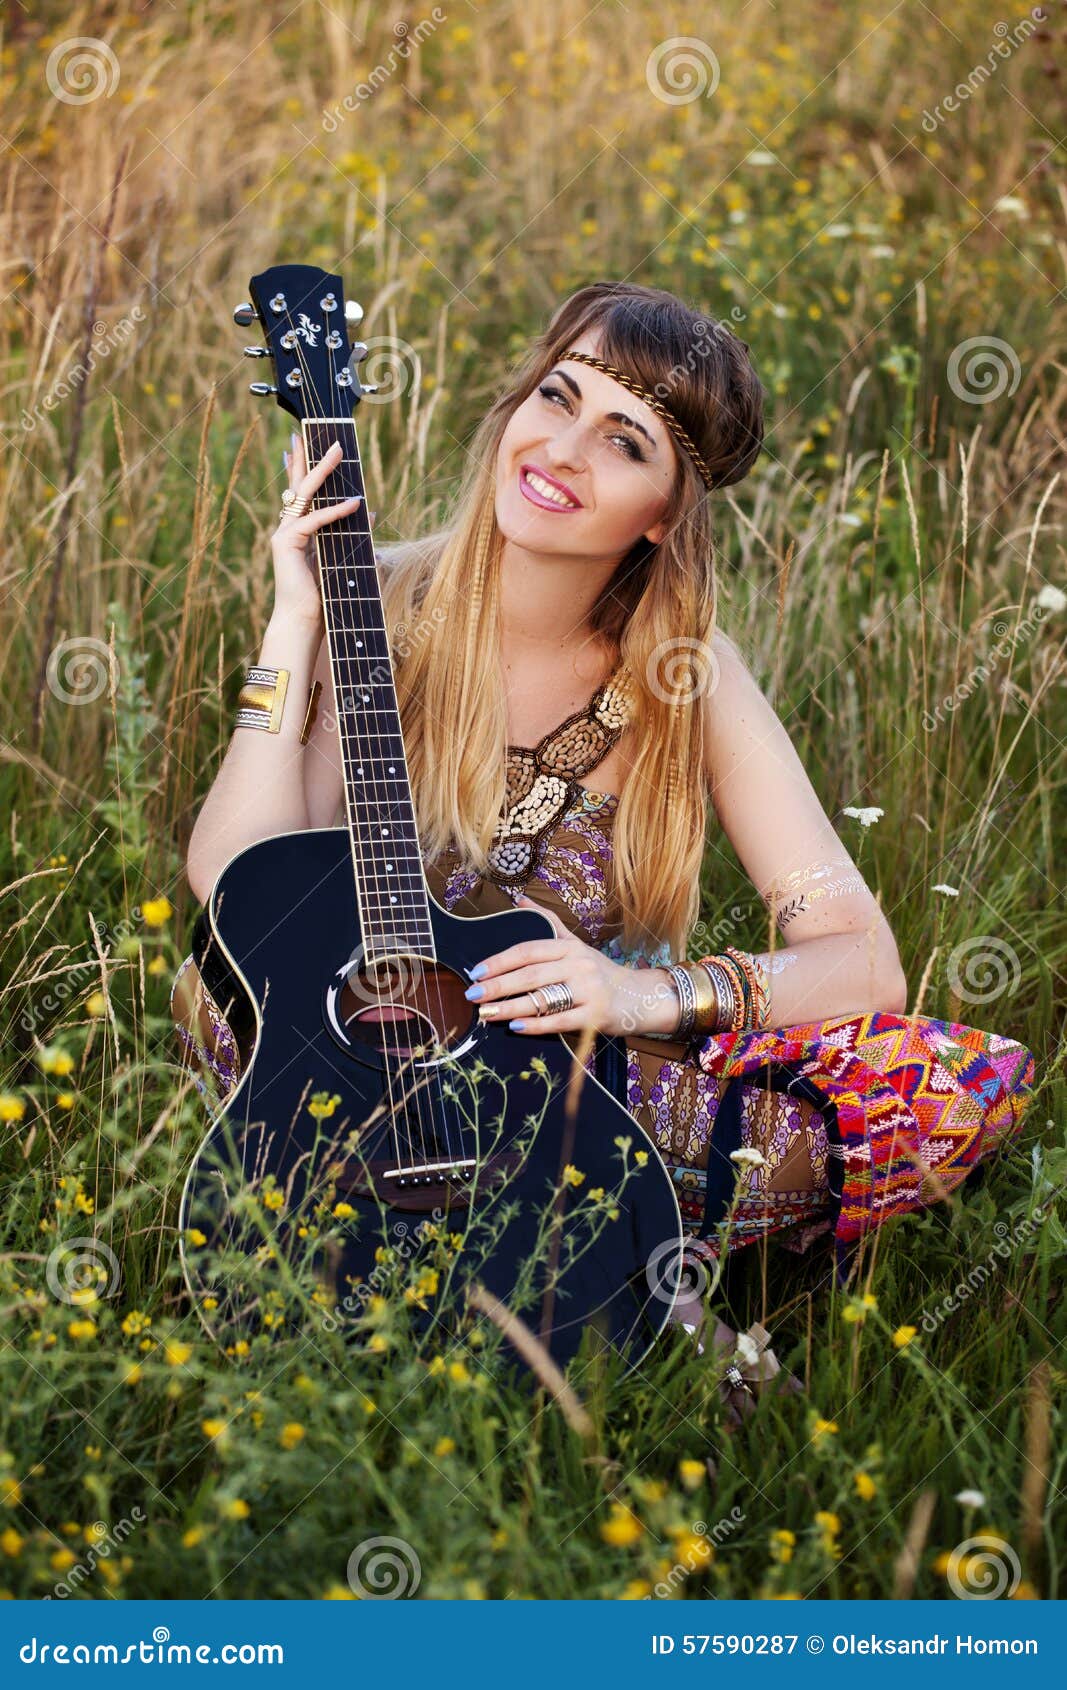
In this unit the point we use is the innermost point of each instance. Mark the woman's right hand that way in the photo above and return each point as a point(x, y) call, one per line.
point(296, 584)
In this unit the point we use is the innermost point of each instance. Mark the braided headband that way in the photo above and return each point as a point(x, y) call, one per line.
point(657, 405)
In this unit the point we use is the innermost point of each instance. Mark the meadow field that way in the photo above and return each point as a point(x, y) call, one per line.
point(874, 198)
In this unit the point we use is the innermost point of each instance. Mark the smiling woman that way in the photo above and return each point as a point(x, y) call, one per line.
point(539, 652)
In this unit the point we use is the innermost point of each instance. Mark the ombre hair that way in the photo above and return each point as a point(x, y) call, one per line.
point(657, 612)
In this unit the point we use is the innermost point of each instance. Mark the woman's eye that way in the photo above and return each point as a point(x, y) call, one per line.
point(628, 446)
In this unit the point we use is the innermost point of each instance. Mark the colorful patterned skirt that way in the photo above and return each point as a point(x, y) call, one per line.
point(852, 1120)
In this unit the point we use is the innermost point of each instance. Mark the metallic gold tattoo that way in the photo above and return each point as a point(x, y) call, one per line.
point(800, 891)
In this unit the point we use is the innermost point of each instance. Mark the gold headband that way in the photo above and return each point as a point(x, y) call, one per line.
point(657, 405)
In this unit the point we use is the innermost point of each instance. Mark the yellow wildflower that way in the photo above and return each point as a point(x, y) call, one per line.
point(62, 1560)
point(82, 1329)
point(56, 1061)
point(903, 1336)
point(290, 1434)
point(213, 1428)
point(11, 1542)
point(12, 1108)
point(157, 911)
point(572, 1175)
point(865, 1486)
point(176, 1352)
point(443, 1447)
point(96, 1004)
point(783, 1542)
point(236, 1509)
point(691, 1473)
point(622, 1528)
point(822, 1428)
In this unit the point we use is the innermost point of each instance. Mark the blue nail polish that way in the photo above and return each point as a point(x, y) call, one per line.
point(474, 992)
point(516, 1026)
point(478, 971)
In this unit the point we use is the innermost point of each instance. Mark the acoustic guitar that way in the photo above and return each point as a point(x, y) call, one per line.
point(373, 1105)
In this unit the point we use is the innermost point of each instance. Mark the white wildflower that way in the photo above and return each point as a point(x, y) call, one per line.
point(1051, 598)
point(761, 156)
point(1012, 202)
point(970, 1499)
point(748, 1157)
point(838, 230)
point(866, 817)
point(949, 891)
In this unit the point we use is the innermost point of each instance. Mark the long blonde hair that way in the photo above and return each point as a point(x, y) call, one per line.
point(441, 597)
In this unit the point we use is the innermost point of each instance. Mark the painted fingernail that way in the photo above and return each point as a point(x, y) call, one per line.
point(478, 971)
point(292, 440)
point(474, 992)
point(517, 1026)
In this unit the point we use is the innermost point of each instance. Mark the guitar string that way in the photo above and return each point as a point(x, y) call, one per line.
point(347, 626)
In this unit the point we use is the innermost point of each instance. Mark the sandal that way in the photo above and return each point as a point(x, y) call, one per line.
point(747, 1360)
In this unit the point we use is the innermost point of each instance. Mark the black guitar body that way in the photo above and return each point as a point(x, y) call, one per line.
point(425, 1114)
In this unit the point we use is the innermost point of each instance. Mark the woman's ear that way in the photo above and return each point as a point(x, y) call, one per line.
point(656, 533)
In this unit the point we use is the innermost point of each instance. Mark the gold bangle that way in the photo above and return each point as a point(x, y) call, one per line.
point(261, 700)
point(706, 1012)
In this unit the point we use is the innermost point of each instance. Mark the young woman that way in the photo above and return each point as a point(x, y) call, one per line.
point(569, 710)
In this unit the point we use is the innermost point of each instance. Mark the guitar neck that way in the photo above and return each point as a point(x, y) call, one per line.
point(391, 891)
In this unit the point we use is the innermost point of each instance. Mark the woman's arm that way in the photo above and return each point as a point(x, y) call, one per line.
point(837, 955)
point(259, 789)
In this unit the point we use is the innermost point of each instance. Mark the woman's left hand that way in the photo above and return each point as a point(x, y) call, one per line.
point(608, 996)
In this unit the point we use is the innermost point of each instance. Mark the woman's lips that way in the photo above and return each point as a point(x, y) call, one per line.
point(548, 496)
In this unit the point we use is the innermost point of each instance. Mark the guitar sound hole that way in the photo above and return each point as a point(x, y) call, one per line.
point(399, 1009)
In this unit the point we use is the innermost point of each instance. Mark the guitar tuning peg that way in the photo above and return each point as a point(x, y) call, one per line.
point(369, 386)
point(353, 312)
point(359, 351)
point(261, 388)
point(256, 352)
point(244, 316)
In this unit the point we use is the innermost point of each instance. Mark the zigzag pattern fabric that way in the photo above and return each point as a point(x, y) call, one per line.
point(919, 1102)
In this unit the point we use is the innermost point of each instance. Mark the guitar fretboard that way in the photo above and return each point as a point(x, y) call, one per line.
point(390, 881)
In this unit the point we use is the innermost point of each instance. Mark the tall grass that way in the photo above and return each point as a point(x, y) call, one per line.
point(890, 553)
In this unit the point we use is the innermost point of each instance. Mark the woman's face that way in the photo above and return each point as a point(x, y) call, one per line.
point(584, 466)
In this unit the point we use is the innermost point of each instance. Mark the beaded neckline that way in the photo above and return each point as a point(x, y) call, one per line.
point(544, 780)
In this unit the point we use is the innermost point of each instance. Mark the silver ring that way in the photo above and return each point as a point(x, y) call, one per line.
point(553, 999)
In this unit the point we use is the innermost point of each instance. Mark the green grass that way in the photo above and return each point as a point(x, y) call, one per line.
point(891, 540)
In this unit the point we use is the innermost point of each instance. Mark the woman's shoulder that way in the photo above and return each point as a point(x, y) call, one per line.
point(735, 707)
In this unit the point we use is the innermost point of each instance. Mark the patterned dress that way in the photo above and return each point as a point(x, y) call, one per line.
point(855, 1118)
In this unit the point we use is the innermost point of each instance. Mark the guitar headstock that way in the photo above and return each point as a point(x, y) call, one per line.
point(304, 317)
